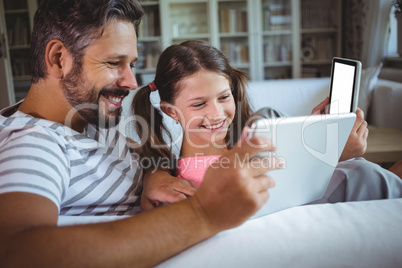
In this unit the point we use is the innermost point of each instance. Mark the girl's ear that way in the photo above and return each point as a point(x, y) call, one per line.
point(170, 110)
point(58, 60)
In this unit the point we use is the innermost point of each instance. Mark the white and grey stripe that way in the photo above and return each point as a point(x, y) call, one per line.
point(46, 158)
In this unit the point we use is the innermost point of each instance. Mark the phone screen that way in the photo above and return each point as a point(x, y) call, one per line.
point(342, 88)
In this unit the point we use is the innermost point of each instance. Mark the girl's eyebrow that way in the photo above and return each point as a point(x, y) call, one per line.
point(201, 98)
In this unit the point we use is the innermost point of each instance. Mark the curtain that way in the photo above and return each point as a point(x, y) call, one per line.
point(376, 34)
point(366, 30)
point(354, 21)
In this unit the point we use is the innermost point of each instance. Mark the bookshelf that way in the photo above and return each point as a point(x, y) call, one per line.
point(149, 42)
point(321, 35)
point(268, 39)
point(277, 38)
point(18, 19)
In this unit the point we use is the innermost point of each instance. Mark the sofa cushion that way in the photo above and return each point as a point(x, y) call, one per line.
point(368, 81)
point(386, 108)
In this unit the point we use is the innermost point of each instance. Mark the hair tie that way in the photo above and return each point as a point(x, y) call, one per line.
point(152, 86)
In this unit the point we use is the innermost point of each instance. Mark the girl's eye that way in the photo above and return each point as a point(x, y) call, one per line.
point(198, 105)
point(224, 97)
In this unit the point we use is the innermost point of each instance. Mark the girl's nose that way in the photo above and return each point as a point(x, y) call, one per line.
point(214, 113)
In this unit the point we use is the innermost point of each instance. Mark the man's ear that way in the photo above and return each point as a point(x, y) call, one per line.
point(170, 110)
point(58, 60)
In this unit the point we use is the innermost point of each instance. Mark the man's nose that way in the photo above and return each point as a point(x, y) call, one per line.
point(127, 79)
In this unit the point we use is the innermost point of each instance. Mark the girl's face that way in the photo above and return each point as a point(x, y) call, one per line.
point(205, 108)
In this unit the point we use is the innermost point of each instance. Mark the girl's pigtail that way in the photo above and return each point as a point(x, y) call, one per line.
point(150, 129)
point(239, 80)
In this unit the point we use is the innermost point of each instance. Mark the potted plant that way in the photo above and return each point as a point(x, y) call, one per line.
point(398, 15)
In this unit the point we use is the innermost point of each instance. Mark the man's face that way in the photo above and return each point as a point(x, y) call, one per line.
point(96, 89)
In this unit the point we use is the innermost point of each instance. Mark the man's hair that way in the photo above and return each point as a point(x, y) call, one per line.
point(76, 23)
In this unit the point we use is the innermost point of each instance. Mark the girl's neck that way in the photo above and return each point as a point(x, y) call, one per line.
point(190, 150)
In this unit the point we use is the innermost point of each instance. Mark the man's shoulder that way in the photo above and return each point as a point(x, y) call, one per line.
point(26, 129)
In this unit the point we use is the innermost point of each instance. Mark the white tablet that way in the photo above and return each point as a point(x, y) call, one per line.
point(345, 84)
point(311, 147)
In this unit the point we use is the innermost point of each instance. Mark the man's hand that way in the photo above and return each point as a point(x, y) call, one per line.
point(160, 187)
point(356, 144)
point(233, 189)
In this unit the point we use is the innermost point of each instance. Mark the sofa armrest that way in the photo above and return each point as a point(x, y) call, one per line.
point(386, 105)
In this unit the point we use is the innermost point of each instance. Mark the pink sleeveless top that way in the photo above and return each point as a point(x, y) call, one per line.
point(194, 168)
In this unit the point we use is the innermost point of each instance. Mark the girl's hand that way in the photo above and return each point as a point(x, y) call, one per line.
point(161, 187)
point(321, 108)
point(356, 144)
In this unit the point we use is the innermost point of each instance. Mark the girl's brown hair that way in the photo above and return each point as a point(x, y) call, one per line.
point(175, 63)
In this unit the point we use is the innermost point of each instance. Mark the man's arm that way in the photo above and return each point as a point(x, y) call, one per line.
point(228, 196)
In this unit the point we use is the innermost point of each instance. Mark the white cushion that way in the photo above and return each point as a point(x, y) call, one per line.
point(386, 107)
point(368, 81)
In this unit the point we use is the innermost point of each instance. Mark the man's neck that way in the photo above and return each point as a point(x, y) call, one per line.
point(45, 103)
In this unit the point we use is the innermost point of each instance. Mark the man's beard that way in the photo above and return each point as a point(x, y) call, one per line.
point(86, 101)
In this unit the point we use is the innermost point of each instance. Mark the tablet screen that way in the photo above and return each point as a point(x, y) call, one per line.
point(342, 86)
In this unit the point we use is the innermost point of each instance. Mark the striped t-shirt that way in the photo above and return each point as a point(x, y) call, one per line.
point(90, 173)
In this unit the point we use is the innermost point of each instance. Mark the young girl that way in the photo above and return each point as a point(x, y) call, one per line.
point(200, 90)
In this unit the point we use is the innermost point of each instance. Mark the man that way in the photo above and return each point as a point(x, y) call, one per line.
point(54, 163)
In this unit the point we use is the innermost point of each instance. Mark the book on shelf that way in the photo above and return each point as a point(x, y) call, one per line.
point(147, 55)
point(236, 52)
point(277, 17)
point(21, 67)
point(232, 20)
point(149, 25)
point(18, 34)
point(318, 17)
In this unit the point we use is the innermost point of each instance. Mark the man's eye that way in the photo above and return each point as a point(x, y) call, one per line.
point(113, 63)
point(132, 66)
